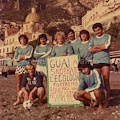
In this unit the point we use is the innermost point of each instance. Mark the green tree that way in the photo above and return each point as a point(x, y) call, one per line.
point(113, 31)
point(51, 31)
point(64, 28)
point(34, 43)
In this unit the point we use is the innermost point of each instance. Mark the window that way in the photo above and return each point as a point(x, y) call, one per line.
point(3, 50)
point(12, 49)
point(13, 40)
point(34, 37)
point(6, 42)
point(0, 50)
point(26, 27)
point(7, 49)
point(38, 28)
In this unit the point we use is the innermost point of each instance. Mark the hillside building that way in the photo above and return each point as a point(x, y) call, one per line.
point(105, 12)
point(32, 27)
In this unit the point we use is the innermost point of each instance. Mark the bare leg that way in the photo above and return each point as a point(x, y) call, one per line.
point(20, 95)
point(106, 73)
point(40, 94)
point(19, 80)
point(86, 98)
point(99, 70)
point(45, 77)
point(100, 96)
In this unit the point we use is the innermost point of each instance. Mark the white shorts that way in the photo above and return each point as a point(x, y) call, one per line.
point(41, 69)
point(93, 95)
point(20, 70)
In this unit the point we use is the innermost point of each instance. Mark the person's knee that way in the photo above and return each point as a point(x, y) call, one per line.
point(97, 92)
point(41, 91)
point(81, 92)
point(106, 80)
point(20, 93)
point(18, 85)
point(106, 77)
point(75, 95)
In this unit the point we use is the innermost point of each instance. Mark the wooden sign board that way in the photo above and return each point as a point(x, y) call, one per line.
point(62, 81)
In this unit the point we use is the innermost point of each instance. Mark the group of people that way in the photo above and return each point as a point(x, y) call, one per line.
point(94, 65)
point(116, 65)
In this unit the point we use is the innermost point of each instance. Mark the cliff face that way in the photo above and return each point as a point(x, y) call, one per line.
point(6, 5)
point(90, 3)
point(14, 5)
point(73, 7)
point(53, 13)
point(63, 11)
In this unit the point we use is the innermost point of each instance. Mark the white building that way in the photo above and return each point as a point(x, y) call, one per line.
point(77, 30)
point(103, 12)
point(32, 27)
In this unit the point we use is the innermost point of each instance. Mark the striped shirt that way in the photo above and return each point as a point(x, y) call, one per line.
point(41, 52)
point(93, 81)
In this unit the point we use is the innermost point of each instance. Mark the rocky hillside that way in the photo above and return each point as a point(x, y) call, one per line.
point(48, 9)
point(54, 13)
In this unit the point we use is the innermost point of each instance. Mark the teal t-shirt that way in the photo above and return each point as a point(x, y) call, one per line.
point(75, 45)
point(93, 81)
point(41, 52)
point(102, 56)
point(59, 49)
point(23, 51)
point(83, 50)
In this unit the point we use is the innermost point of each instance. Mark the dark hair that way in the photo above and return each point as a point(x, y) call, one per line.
point(23, 36)
point(83, 64)
point(42, 36)
point(97, 25)
point(70, 30)
point(84, 32)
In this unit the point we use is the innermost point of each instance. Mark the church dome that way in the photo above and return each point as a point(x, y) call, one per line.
point(33, 16)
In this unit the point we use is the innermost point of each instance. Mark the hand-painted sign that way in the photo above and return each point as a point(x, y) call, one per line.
point(62, 80)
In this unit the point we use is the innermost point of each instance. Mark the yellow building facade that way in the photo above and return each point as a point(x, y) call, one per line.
point(32, 27)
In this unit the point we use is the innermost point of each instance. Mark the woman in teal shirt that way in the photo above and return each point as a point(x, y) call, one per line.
point(23, 56)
